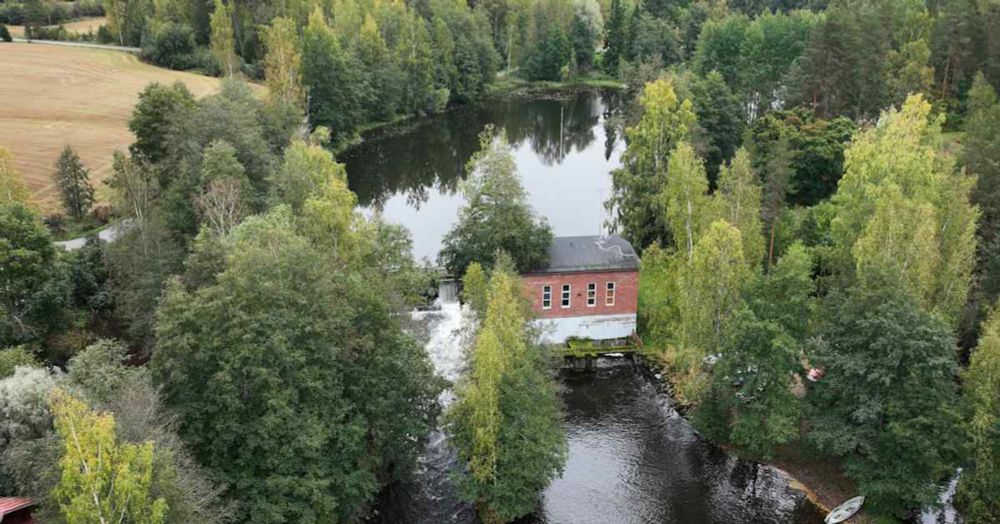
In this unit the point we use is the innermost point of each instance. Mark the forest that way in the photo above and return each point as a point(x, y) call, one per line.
point(813, 188)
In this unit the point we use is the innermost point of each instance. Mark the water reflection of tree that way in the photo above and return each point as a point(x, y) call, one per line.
point(430, 157)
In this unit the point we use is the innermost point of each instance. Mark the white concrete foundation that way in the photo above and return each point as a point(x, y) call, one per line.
point(593, 327)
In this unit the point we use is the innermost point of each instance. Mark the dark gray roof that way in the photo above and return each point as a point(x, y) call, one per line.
point(590, 253)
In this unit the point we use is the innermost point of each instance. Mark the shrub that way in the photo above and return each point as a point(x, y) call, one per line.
point(5, 34)
point(169, 44)
point(12, 14)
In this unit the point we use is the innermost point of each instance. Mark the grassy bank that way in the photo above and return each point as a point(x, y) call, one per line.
point(509, 85)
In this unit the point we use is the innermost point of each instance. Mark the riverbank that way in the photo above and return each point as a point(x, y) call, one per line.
point(511, 86)
point(503, 88)
point(821, 480)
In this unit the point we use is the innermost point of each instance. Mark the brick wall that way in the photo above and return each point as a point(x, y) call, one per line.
point(626, 293)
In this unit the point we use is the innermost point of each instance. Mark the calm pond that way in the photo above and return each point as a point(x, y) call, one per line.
point(632, 458)
point(563, 154)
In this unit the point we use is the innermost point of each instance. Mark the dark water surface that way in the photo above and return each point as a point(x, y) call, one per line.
point(632, 458)
point(563, 153)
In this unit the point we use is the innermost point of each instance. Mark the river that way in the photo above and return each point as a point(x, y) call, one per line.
point(632, 458)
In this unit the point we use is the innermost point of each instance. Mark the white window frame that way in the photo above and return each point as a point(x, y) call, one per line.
point(547, 296)
point(592, 294)
point(566, 298)
point(609, 294)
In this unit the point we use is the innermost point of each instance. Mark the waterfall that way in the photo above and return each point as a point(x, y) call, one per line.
point(431, 497)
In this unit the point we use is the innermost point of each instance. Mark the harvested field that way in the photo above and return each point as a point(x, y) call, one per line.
point(51, 96)
point(81, 26)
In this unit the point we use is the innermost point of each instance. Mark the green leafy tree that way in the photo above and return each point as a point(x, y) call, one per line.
point(306, 168)
point(33, 290)
point(475, 288)
point(496, 215)
point(887, 404)
point(283, 62)
point(719, 46)
point(740, 190)
point(11, 187)
point(74, 184)
point(151, 118)
point(749, 401)
point(309, 352)
point(815, 152)
point(712, 285)
point(331, 84)
point(785, 295)
point(223, 40)
point(688, 208)
point(720, 125)
point(506, 421)
point(11, 358)
point(102, 480)
point(897, 186)
point(981, 479)
point(634, 202)
point(981, 151)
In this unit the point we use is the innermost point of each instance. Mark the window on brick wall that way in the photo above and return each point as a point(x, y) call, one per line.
point(609, 295)
point(546, 297)
point(592, 294)
point(565, 295)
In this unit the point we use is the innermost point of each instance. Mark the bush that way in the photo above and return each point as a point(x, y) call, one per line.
point(104, 35)
point(5, 34)
point(46, 33)
point(12, 14)
point(169, 44)
point(82, 8)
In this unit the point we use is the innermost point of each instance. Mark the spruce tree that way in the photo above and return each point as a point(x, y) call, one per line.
point(74, 184)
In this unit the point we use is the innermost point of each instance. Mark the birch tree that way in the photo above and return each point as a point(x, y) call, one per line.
point(223, 44)
point(900, 160)
point(283, 63)
point(685, 200)
point(636, 211)
point(740, 190)
point(103, 481)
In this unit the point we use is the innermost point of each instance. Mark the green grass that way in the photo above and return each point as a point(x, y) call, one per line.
point(507, 84)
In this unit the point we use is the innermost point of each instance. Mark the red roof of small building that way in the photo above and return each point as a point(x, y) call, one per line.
point(9, 505)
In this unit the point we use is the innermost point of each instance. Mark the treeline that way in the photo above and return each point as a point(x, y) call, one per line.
point(828, 318)
point(41, 13)
point(270, 373)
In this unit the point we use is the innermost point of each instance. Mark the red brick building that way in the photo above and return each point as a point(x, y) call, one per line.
point(589, 289)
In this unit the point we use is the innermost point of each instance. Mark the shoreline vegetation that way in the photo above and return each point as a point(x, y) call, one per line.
point(821, 481)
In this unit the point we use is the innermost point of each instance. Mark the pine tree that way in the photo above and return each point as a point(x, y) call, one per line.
point(74, 184)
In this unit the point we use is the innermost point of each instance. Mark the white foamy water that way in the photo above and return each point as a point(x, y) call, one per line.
point(445, 346)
